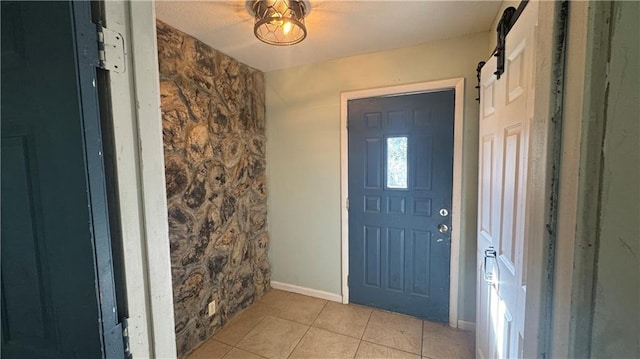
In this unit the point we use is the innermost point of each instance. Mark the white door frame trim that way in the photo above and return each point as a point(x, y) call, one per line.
point(456, 84)
point(137, 126)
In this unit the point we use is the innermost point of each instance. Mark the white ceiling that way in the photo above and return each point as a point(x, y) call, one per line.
point(335, 29)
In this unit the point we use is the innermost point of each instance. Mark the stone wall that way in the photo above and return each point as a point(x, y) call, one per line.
point(213, 120)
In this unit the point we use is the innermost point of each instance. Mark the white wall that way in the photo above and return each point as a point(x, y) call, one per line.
point(303, 155)
point(616, 314)
point(596, 309)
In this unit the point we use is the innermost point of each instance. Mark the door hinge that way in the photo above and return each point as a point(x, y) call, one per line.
point(347, 203)
point(125, 337)
point(111, 49)
point(348, 280)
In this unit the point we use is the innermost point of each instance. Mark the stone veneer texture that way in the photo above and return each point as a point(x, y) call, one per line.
point(213, 121)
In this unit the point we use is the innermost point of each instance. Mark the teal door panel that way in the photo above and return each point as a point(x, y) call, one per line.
point(400, 178)
point(58, 296)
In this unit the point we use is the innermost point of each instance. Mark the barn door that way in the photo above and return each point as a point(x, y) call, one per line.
point(505, 116)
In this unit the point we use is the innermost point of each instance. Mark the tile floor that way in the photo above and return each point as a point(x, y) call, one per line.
point(288, 325)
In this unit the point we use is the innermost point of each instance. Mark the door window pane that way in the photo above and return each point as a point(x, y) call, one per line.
point(397, 162)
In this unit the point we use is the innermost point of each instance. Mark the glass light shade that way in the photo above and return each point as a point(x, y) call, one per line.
point(279, 22)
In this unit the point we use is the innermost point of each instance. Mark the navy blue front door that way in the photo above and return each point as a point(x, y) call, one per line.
point(400, 183)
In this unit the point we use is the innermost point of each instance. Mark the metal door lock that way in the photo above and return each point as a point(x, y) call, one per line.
point(490, 253)
point(444, 212)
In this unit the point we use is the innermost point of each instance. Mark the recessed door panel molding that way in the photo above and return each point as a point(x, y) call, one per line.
point(422, 118)
point(13, 44)
point(397, 120)
point(424, 164)
point(488, 97)
point(484, 325)
point(422, 207)
point(515, 72)
point(373, 120)
point(373, 166)
point(510, 194)
point(396, 205)
point(23, 253)
point(505, 332)
point(372, 204)
point(420, 244)
point(486, 181)
point(373, 255)
point(523, 265)
point(395, 243)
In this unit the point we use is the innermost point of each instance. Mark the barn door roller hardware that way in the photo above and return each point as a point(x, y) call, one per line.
point(478, 72)
point(503, 29)
point(508, 19)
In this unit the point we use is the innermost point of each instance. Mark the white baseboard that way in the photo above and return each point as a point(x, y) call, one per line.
point(464, 325)
point(307, 291)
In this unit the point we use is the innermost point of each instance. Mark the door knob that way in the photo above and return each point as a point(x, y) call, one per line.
point(443, 228)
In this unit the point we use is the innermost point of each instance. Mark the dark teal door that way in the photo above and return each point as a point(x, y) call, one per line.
point(58, 296)
point(400, 183)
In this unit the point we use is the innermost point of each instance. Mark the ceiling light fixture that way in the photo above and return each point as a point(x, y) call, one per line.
point(279, 22)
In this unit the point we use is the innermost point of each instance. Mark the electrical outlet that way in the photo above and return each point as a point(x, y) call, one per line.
point(212, 308)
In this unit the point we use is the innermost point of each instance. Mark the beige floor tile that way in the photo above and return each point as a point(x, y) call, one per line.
point(321, 344)
point(374, 351)
point(273, 296)
point(295, 307)
point(211, 349)
point(272, 327)
point(442, 341)
point(236, 353)
point(273, 338)
point(242, 324)
point(394, 330)
point(434, 327)
point(343, 319)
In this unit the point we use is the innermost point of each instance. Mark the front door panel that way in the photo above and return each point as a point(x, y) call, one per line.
point(400, 178)
point(57, 285)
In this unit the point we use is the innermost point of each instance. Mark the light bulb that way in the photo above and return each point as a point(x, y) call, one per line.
point(286, 28)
